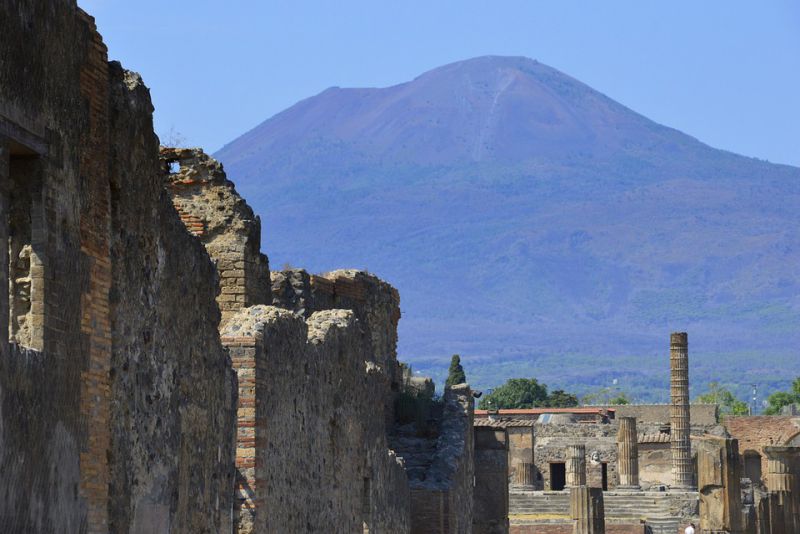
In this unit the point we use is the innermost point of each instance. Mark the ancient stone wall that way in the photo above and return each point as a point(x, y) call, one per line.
point(212, 210)
point(442, 500)
point(375, 303)
point(756, 432)
point(552, 440)
point(315, 453)
point(114, 380)
point(490, 508)
point(174, 390)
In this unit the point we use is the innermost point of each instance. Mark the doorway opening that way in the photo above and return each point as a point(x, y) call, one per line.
point(558, 476)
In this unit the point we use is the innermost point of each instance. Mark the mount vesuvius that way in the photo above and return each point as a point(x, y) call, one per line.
point(536, 227)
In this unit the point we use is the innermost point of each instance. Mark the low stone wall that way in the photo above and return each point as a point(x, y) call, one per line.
point(700, 414)
point(566, 528)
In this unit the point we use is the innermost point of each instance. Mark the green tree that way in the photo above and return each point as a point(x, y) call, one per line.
point(621, 398)
point(516, 393)
point(561, 399)
point(606, 395)
point(728, 403)
point(780, 399)
point(456, 373)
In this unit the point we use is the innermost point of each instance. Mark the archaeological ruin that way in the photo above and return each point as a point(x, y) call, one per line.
point(567, 467)
point(157, 377)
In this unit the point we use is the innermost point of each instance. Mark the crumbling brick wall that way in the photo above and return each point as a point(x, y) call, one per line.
point(212, 210)
point(313, 452)
point(759, 431)
point(116, 401)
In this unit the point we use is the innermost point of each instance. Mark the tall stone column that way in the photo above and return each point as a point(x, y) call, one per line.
point(679, 411)
point(587, 510)
point(576, 466)
point(627, 454)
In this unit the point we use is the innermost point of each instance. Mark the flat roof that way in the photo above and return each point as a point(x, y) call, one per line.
point(539, 411)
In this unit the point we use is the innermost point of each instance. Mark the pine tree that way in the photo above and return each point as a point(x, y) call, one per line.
point(456, 373)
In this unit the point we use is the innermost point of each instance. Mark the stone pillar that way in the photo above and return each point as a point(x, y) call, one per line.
point(679, 411)
point(587, 510)
point(525, 475)
point(718, 475)
point(783, 464)
point(576, 466)
point(628, 454)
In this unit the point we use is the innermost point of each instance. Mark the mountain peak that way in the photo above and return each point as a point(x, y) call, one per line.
point(528, 219)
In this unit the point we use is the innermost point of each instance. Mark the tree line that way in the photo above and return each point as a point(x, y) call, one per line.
point(522, 393)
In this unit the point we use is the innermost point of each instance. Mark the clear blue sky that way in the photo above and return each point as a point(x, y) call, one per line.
point(724, 71)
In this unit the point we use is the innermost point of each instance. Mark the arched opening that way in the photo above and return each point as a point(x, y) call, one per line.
point(794, 441)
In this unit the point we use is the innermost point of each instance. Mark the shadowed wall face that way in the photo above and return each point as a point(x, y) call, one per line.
point(490, 511)
point(128, 393)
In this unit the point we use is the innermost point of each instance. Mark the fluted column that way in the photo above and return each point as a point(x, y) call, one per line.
point(783, 464)
point(576, 465)
point(587, 510)
point(627, 454)
point(525, 475)
point(780, 475)
point(679, 411)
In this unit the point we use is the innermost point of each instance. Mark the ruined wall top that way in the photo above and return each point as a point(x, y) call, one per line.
point(212, 210)
point(375, 302)
point(210, 198)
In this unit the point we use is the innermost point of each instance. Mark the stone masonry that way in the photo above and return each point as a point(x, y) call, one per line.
point(116, 397)
point(212, 210)
point(317, 459)
point(490, 508)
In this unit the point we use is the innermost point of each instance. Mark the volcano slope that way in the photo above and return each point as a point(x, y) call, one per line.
point(537, 227)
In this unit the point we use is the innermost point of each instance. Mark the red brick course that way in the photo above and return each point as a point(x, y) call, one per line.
point(759, 431)
point(95, 398)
